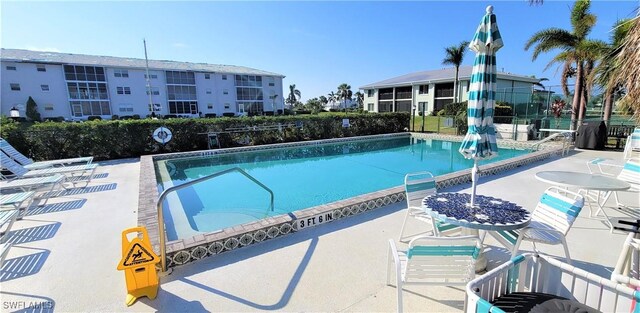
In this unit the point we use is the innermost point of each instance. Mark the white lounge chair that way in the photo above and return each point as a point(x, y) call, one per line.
point(417, 186)
point(73, 174)
point(9, 215)
point(444, 261)
point(550, 222)
point(632, 146)
point(31, 165)
point(530, 277)
point(45, 183)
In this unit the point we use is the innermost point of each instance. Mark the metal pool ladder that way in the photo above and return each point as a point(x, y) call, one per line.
point(163, 195)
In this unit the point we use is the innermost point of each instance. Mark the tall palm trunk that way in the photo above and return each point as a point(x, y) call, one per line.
point(455, 86)
point(577, 96)
point(608, 105)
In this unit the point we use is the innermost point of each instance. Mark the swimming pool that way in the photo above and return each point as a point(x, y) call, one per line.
point(300, 177)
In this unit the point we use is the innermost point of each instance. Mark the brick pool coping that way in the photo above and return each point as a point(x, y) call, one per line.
point(186, 250)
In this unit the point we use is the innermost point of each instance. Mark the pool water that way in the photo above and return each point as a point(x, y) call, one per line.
point(300, 177)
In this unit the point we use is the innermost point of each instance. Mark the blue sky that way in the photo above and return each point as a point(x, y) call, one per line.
point(317, 45)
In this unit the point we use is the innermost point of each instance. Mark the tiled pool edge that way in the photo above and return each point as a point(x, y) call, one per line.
point(183, 251)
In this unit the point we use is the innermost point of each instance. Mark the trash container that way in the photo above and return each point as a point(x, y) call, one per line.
point(533, 128)
point(591, 135)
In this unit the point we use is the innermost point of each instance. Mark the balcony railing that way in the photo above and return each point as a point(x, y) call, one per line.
point(403, 95)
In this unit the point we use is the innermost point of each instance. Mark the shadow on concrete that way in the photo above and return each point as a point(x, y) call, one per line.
point(57, 207)
point(32, 234)
point(118, 161)
point(22, 303)
point(100, 176)
point(456, 304)
point(22, 266)
point(168, 302)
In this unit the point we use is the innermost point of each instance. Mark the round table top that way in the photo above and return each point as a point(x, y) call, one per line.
point(582, 180)
point(489, 213)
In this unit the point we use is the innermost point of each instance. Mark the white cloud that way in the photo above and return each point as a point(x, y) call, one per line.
point(37, 48)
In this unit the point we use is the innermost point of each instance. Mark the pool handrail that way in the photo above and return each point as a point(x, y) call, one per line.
point(163, 195)
point(566, 144)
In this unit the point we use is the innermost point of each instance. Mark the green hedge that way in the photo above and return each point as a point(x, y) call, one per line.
point(132, 138)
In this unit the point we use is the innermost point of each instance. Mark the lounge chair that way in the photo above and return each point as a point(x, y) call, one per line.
point(632, 146)
point(9, 215)
point(444, 261)
point(628, 172)
point(31, 165)
point(47, 183)
point(73, 174)
point(550, 222)
point(417, 186)
point(527, 280)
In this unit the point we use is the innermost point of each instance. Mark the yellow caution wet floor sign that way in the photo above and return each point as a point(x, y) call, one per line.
point(138, 262)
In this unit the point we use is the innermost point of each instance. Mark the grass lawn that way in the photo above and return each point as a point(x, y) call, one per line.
point(431, 125)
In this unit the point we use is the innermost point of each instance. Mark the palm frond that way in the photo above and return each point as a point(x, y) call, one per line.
point(549, 39)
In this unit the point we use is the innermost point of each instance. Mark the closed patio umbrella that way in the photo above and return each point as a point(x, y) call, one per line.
point(480, 141)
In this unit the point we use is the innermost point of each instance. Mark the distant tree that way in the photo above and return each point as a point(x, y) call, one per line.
point(454, 55)
point(32, 110)
point(345, 93)
point(314, 105)
point(294, 95)
point(360, 99)
point(629, 64)
point(323, 100)
point(298, 105)
point(332, 97)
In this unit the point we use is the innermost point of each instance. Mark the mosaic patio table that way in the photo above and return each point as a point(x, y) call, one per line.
point(488, 214)
point(603, 186)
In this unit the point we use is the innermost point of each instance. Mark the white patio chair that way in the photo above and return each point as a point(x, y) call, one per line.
point(73, 174)
point(632, 146)
point(551, 220)
point(628, 172)
point(31, 165)
point(417, 186)
point(10, 205)
point(444, 261)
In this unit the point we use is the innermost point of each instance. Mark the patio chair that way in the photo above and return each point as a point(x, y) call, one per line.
point(526, 280)
point(628, 172)
point(9, 215)
point(551, 220)
point(73, 174)
point(46, 183)
point(443, 261)
point(632, 146)
point(31, 165)
point(417, 186)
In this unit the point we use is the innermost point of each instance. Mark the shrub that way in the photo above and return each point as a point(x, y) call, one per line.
point(57, 119)
point(228, 114)
point(210, 115)
point(135, 117)
point(109, 139)
point(502, 114)
point(114, 117)
point(94, 118)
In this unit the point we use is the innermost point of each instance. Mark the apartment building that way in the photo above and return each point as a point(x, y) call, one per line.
point(77, 86)
point(432, 90)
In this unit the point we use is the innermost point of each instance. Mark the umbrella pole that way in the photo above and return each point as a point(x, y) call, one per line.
point(474, 181)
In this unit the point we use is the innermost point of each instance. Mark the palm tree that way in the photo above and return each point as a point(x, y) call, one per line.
point(629, 64)
point(294, 95)
point(605, 72)
point(454, 56)
point(332, 97)
point(576, 49)
point(345, 93)
point(323, 100)
point(360, 99)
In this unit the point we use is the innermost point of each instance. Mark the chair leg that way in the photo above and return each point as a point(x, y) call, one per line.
point(399, 288)
point(516, 246)
point(566, 250)
point(404, 223)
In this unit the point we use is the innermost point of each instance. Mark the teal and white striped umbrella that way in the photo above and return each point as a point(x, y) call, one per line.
point(480, 141)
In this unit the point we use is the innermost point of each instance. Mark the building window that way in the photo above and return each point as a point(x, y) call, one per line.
point(444, 90)
point(86, 108)
point(123, 90)
point(224, 77)
point(125, 108)
point(369, 107)
point(121, 73)
point(207, 76)
point(44, 87)
point(41, 68)
point(180, 78)
point(48, 107)
point(154, 91)
point(11, 68)
point(183, 107)
point(249, 80)
point(370, 92)
point(252, 108)
point(156, 107)
point(209, 106)
point(271, 82)
point(225, 92)
point(422, 106)
point(87, 90)
point(84, 73)
point(227, 106)
point(15, 87)
point(424, 89)
point(152, 76)
point(208, 91)
point(251, 94)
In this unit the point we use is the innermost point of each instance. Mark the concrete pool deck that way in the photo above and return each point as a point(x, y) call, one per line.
point(65, 254)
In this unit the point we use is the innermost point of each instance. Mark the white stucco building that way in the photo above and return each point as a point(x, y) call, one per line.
point(76, 86)
point(434, 89)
